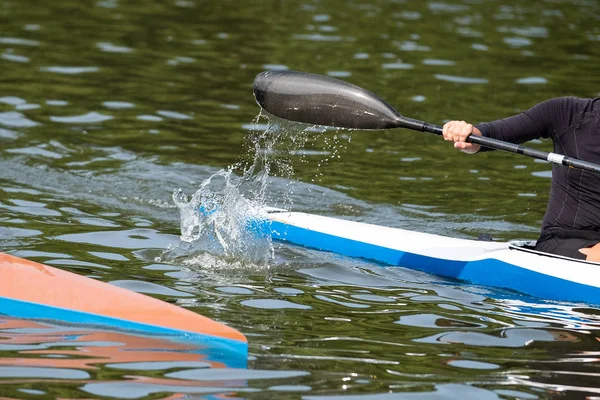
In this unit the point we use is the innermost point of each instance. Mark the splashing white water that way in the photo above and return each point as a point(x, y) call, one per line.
point(220, 218)
point(227, 215)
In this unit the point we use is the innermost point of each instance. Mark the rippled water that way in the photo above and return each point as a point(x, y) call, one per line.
point(108, 107)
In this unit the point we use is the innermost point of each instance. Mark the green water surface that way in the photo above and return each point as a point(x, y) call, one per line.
point(108, 106)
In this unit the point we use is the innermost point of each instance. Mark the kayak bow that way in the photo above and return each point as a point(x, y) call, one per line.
point(32, 290)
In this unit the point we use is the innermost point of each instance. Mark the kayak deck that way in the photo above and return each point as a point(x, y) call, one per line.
point(32, 290)
point(495, 264)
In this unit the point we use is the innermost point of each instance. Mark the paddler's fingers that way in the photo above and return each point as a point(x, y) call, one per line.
point(446, 130)
point(456, 131)
point(462, 145)
point(461, 131)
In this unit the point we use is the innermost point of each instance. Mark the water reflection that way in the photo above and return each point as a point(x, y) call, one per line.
point(103, 363)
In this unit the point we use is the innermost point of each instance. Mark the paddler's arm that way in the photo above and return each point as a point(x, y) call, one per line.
point(537, 122)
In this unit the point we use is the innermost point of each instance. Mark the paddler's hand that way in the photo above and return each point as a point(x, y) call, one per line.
point(457, 132)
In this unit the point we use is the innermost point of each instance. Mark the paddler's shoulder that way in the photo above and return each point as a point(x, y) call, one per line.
point(569, 108)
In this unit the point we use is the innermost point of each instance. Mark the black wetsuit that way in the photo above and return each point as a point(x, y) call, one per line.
point(572, 220)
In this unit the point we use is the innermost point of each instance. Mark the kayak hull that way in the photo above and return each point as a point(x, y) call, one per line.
point(495, 264)
point(32, 290)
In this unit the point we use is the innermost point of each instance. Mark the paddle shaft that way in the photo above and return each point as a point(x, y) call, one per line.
point(554, 158)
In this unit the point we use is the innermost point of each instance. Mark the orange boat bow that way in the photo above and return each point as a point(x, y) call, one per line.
point(32, 290)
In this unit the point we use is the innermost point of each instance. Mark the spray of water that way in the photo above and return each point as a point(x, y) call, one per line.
point(219, 218)
point(226, 216)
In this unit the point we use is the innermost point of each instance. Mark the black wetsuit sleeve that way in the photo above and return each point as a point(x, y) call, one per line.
point(540, 121)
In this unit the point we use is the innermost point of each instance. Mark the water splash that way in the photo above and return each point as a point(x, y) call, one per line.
point(227, 216)
point(220, 218)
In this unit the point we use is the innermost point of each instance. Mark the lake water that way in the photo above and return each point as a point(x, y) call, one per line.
point(108, 107)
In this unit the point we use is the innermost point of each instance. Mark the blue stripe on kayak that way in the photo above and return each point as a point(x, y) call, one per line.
point(226, 350)
point(487, 272)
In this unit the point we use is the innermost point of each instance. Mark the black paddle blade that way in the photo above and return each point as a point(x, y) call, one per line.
point(320, 100)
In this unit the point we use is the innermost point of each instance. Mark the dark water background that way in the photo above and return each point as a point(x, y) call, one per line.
point(107, 107)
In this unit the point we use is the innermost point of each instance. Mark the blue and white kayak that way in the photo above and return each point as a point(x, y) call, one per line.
point(510, 265)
